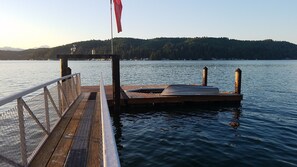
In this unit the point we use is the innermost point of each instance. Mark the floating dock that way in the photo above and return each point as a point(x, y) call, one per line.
point(118, 95)
point(150, 95)
point(77, 140)
point(82, 134)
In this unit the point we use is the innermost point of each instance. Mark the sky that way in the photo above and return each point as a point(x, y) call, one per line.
point(35, 23)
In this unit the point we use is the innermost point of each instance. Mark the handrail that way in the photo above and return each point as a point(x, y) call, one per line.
point(42, 112)
point(12, 97)
point(110, 153)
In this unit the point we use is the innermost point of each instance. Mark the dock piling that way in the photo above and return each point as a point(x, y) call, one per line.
point(238, 81)
point(64, 66)
point(204, 76)
point(65, 70)
point(116, 82)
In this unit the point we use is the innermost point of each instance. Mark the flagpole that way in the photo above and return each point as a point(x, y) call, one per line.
point(111, 31)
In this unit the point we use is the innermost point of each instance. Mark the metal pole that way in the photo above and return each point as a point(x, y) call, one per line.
point(22, 132)
point(70, 90)
point(59, 97)
point(75, 83)
point(111, 27)
point(79, 84)
point(47, 121)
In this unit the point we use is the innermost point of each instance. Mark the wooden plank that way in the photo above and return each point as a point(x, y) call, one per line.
point(78, 153)
point(95, 143)
point(44, 154)
point(60, 154)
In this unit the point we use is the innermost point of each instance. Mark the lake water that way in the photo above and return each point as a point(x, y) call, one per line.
point(188, 136)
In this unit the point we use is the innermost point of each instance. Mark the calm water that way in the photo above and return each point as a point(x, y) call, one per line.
point(181, 136)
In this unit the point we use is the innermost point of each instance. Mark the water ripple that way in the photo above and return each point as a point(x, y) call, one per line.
point(262, 132)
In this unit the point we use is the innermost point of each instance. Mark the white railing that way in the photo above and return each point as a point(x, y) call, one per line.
point(25, 127)
point(110, 153)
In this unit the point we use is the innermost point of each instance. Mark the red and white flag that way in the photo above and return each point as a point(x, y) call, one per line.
point(118, 13)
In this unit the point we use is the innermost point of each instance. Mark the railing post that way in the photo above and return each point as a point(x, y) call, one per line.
point(47, 121)
point(66, 91)
point(116, 82)
point(78, 83)
point(238, 81)
point(69, 88)
point(22, 132)
point(74, 86)
point(204, 76)
point(59, 97)
point(64, 100)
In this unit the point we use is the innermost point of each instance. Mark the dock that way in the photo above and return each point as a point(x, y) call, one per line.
point(76, 128)
point(84, 137)
point(139, 99)
point(78, 141)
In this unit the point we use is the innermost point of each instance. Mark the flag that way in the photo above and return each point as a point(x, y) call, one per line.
point(118, 13)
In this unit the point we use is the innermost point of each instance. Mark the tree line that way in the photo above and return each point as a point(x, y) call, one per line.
point(203, 48)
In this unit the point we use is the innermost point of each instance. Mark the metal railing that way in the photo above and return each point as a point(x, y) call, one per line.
point(110, 153)
point(25, 127)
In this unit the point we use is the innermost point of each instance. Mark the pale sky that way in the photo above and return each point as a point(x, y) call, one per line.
point(34, 23)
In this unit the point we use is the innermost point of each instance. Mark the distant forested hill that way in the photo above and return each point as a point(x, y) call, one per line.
point(169, 48)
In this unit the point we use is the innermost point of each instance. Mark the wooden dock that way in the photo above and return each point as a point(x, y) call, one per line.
point(83, 134)
point(118, 95)
point(77, 140)
point(153, 99)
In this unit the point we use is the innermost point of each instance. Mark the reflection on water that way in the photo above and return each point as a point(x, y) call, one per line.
point(173, 136)
point(117, 125)
point(235, 121)
point(262, 132)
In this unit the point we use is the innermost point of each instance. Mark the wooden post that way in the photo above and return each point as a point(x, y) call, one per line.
point(204, 76)
point(238, 81)
point(64, 67)
point(116, 82)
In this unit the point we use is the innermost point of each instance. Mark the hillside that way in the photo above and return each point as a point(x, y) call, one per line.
point(169, 48)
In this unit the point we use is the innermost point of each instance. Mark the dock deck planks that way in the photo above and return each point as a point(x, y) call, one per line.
point(95, 146)
point(81, 123)
point(76, 131)
point(50, 146)
point(78, 154)
point(59, 156)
